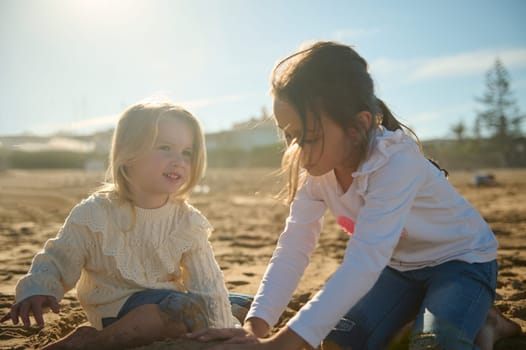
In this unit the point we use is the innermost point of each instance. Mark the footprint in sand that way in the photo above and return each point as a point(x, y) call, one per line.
point(238, 283)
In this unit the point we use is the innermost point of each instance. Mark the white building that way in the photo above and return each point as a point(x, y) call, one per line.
point(246, 135)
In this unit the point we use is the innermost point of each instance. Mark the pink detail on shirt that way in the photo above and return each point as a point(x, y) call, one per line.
point(346, 224)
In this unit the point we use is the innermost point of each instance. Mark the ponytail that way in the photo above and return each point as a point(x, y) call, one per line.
point(435, 163)
point(388, 119)
point(391, 123)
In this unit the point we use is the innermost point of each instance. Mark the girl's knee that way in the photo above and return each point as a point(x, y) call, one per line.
point(172, 328)
point(329, 345)
point(445, 340)
point(427, 341)
point(160, 323)
point(187, 308)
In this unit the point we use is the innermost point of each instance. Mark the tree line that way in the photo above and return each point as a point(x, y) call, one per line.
point(496, 138)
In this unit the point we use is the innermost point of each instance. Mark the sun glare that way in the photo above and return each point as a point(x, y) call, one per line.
point(95, 10)
point(90, 7)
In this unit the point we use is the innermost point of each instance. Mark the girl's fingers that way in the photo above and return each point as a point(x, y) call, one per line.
point(14, 313)
point(53, 304)
point(30, 305)
point(24, 314)
point(216, 334)
point(37, 314)
point(242, 340)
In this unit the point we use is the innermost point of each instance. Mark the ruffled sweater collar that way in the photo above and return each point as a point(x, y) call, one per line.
point(131, 234)
point(160, 213)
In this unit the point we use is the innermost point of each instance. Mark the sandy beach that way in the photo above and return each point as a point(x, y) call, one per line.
point(247, 222)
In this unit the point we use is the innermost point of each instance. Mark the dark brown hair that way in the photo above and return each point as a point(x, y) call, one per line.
point(334, 78)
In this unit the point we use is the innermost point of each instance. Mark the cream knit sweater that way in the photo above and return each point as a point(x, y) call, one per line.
point(111, 251)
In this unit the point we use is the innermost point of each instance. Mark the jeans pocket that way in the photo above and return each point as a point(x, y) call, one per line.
point(344, 325)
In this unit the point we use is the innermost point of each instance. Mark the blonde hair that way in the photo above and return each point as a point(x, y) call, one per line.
point(135, 135)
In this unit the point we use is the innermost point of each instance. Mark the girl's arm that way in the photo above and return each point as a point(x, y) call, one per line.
point(54, 271)
point(202, 275)
point(291, 256)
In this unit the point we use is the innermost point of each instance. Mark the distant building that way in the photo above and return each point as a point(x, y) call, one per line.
point(9, 141)
point(102, 141)
point(246, 135)
point(56, 144)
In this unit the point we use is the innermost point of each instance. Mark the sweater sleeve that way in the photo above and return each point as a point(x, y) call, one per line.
point(202, 275)
point(291, 256)
point(56, 269)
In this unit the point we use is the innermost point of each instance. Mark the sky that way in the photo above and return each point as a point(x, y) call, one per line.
point(74, 65)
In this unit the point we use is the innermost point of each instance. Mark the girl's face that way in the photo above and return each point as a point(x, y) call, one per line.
point(325, 147)
point(166, 167)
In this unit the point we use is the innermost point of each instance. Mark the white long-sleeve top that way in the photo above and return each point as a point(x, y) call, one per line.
point(110, 251)
point(407, 216)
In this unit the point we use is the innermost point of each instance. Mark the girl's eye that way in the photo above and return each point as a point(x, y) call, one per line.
point(188, 154)
point(310, 140)
point(164, 147)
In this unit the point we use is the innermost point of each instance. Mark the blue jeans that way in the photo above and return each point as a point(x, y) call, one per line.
point(448, 302)
point(162, 296)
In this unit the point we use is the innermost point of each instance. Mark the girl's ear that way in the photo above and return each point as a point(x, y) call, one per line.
point(365, 118)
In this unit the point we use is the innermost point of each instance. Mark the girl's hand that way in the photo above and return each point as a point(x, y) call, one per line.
point(233, 339)
point(242, 339)
point(34, 304)
point(228, 335)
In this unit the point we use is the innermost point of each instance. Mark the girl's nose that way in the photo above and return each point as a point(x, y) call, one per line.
point(177, 158)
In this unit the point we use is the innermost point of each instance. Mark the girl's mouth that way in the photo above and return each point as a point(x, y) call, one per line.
point(172, 176)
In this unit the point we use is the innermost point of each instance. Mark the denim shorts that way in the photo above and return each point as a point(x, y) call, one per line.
point(448, 302)
point(240, 302)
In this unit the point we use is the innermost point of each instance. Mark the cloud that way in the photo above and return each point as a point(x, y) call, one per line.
point(466, 63)
point(437, 121)
point(205, 102)
point(111, 120)
point(92, 122)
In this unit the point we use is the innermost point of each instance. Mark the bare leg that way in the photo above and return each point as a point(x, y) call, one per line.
point(74, 340)
point(141, 326)
point(496, 327)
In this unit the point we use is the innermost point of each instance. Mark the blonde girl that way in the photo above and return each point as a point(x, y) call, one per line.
point(418, 251)
point(136, 251)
